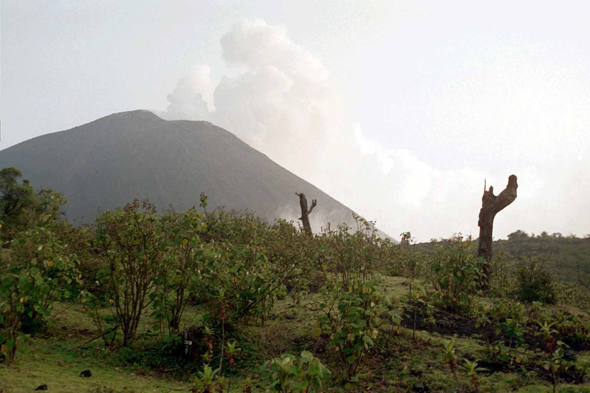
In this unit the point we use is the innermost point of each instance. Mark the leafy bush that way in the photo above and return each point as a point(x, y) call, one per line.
point(208, 381)
point(418, 305)
point(455, 275)
point(535, 284)
point(36, 270)
point(184, 259)
point(17, 204)
point(351, 317)
point(132, 243)
point(166, 353)
point(348, 255)
point(288, 374)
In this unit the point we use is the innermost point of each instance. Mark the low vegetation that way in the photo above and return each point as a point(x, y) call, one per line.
point(200, 301)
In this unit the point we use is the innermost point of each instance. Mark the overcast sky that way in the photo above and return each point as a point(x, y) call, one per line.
point(399, 109)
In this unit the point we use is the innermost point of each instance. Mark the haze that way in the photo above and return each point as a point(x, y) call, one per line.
point(398, 109)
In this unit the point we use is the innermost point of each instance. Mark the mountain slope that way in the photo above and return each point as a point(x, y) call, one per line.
point(109, 162)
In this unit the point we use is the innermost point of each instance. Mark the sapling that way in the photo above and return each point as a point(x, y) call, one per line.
point(472, 369)
point(231, 351)
point(417, 298)
point(451, 358)
point(554, 349)
point(546, 330)
point(207, 380)
point(208, 356)
point(482, 322)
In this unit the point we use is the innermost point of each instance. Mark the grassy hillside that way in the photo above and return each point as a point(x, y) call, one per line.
point(567, 258)
point(223, 302)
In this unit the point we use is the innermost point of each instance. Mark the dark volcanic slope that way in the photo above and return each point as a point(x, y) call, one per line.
point(109, 162)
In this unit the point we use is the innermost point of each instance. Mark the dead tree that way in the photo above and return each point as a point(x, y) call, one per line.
point(305, 212)
point(490, 206)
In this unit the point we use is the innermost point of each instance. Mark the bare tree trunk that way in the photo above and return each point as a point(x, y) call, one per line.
point(490, 206)
point(305, 212)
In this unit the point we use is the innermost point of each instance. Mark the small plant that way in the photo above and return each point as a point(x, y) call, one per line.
point(208, 356)
point(513, 330)
point(472, 369)
point(207, 381)
point(247, 387)
point(483, 321)
point(451, 358)
point(555, 363)
point(554, 349)
point(231, 352)
point(418, 304)
point(547, 332)
point(288, 375)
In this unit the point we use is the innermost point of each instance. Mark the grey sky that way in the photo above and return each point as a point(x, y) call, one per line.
point(399, 109)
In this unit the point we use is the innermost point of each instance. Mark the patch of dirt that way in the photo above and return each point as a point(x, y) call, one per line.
point(446, 324)
point(491, 367)
point(456, 325)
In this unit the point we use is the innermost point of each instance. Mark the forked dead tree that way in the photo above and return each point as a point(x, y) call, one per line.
point(490, 206)
point(305, 212)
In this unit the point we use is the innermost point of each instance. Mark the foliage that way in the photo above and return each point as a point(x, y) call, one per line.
point(347, 254)
point(455, 273)
point(184, 259)
point(555, 354)
point(535, 284)
point(418, 305)
point(208, 381)
point(472, 369)
point(289, 374)
point(451, 358)
point(36, 266)
point(567, 257)
point(35, 272)
point(132, 243)
point(351, 318)
point(228, 270)
point(16, 204)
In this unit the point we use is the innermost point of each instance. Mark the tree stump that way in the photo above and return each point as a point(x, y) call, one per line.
point(490, 206)
point(193, 343)
point(305, 212)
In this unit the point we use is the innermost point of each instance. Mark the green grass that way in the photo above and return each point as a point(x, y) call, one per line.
point(49, 362)
point(398, 365)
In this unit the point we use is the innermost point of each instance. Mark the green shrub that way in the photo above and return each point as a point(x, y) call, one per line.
point(167, 353)
point(35, 271)
point(534, 283)
point(208, 381)
point(455, 273)
point(351, 317)
point(132, 243)
point(288, 374)
point(184, 257)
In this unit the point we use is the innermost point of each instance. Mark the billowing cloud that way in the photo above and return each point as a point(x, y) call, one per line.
point(193, 97)
point(278, 98)
point(254, 44)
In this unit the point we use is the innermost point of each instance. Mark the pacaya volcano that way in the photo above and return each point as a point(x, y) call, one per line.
point(111, 161)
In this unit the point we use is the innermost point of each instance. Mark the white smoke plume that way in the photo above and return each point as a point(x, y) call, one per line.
point(279, 100)
point(193, 97)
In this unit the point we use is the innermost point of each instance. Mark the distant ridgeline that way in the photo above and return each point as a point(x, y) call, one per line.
point(566, 257)
point(109, 162)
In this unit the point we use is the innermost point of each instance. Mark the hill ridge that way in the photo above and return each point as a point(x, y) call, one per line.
point(109, 161)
